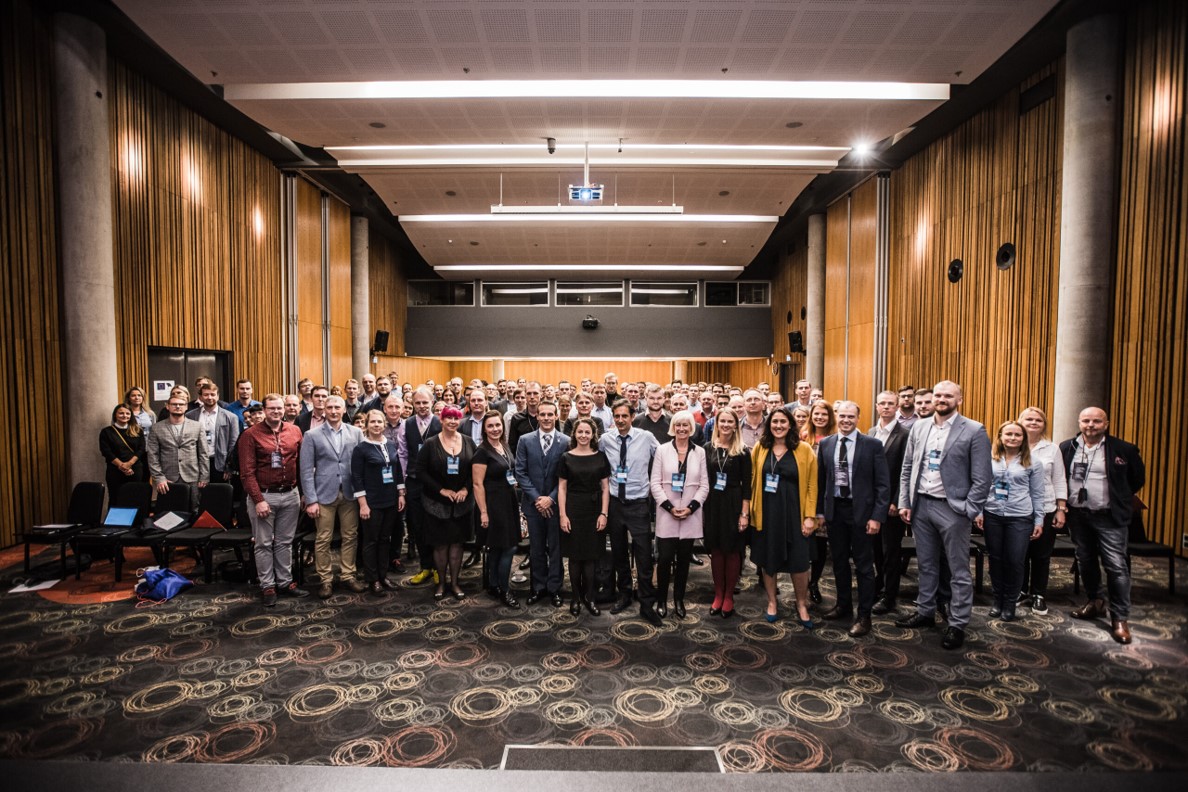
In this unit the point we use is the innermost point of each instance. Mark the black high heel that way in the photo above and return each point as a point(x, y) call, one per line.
point(662, 609)
point(678, 608)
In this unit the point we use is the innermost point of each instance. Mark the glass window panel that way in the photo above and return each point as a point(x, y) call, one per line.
point(663, 293)
point(516, 294)
point(721, 293)
point(589, 293)
point(754, 293)
point(440, 292)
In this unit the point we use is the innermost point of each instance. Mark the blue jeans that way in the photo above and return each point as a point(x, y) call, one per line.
point(1007, 540)
point(1100, 539)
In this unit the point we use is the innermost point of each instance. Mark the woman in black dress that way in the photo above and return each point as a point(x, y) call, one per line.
point(122, 446)
point(494, 484)
point(582, 500)
point(783, 510)
point(443, 468)
point(379, 487)
point(727, 509)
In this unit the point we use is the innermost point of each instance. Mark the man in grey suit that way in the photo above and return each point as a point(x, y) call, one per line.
point(537, 456)
point(177, 452)
point(944, 483)
point(853, 495)
point(220, 429)
point(328, 493)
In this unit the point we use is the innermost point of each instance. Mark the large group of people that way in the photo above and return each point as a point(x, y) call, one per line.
point(622, 486)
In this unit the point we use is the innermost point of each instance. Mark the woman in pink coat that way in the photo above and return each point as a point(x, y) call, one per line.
point(679, 486)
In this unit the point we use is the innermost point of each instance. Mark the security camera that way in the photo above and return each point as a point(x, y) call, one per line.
point(552, 142)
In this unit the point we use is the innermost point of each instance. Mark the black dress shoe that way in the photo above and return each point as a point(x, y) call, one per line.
point(662, 609)
point(387, 584)
point(883, 606)
point(916, 620)
point(376, 589)
point(621, 604)
point(836, 614)
point(697, 560)
point(575, 607)
point(648, 614)
point(510, 600)
point(954, 637)
point(994, 612)
point(592, 609)
point(1090, 610)
point(471, 560)
point(558, 601)
point(860, 627)
point(715, 611)
point(536, 597)
point(678, 609)
point(815, 593)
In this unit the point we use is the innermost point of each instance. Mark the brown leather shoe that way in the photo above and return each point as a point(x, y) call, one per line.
point(1090, 610)
point(860, 627)
point(325, 590)
point(356, 586)
point(1121, 631)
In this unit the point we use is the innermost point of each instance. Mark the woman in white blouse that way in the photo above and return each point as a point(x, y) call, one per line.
point(1039, 553)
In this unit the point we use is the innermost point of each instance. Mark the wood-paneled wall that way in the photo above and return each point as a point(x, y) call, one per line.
point(196, 217)
point(308, 273)
point(789, 299)
point(851, 231)
point(338, 232)
point(32, 486)
point(994, 179)
point(575, 370)
point(1151, 301)
point(389, 297)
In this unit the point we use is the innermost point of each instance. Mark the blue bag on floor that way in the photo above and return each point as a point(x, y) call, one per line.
point(160, 585)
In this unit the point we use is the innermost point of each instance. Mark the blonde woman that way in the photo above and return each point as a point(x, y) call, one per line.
point(1037, 566)
point(727, 509)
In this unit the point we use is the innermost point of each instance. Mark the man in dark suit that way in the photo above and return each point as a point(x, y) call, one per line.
point(853, 495)
point(890, 432)
point(1104, 473)
point(418, 428)
point(525, 421)
point(537, 457)
point(943, 485)
point(472, 427)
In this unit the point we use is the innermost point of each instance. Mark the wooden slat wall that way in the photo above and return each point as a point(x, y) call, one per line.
point(1151, 303)
point(837, 232)
point(196, 219)
point(32, 487)
point(789, 297)
point(309, 283)
point(338, 232)
point(994, 179)
point(574, 370)
point(389, 297)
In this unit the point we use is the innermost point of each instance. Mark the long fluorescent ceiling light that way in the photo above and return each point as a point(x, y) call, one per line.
point(584, 209)
point(592, 217)
point(590, 89)
point(672, 268)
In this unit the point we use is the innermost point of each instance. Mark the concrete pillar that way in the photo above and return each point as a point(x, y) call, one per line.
point(814, 329)
point(82, 143)
point(1092, 106)
point(497, 370)
point(361, 336)
point(678, 370)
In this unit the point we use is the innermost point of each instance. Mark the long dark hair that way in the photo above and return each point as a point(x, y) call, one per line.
point(792, 440)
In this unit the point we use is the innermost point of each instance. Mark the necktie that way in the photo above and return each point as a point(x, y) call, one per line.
point(843, 461)
point(546, 442)
point(623, 465)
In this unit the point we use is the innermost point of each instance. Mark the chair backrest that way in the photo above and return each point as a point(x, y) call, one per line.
point(219, 500)
point(178, 498)
point(136, 495)
point(86, 503)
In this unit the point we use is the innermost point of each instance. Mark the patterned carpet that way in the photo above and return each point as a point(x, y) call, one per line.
point(213, 677)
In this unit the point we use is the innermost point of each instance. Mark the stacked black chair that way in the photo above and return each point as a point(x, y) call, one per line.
point(84, 511)
point(217, 499)
point(1139, 545)
point(177, 499)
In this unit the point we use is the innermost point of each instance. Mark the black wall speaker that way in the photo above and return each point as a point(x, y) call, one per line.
point(1005, 258)
point(956, 270)
point(381, 341)
point(796, 342)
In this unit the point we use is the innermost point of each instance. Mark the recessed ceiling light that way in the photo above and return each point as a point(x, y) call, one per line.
point(723, 193)
point(474, 243)
point(700, 244)
point(861, 149)
point(794, 124)
point(451, 193)
point(377, 125)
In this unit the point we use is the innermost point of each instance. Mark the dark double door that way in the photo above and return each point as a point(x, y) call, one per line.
point(182, 367)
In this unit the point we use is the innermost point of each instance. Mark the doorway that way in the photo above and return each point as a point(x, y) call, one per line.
point(169, 366)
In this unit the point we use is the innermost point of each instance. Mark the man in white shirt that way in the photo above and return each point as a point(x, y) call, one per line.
point(754, 411)
point(220, 429)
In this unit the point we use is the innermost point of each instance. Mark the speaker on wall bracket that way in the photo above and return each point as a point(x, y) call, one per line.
point(381, 342)
point(796, 342)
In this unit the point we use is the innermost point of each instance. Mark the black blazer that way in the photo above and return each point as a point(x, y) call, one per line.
point(1125, 475)
point(870, 485)
point(893, 451)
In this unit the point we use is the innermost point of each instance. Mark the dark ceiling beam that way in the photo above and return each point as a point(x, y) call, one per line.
point(1042, 45)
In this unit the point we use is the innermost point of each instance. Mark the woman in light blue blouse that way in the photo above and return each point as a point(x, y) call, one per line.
point(1013, 516)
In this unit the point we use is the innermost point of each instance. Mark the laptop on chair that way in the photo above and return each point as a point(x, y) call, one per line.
point(119, 520)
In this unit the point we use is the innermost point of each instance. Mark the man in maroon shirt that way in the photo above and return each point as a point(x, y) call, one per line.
point(268, 454)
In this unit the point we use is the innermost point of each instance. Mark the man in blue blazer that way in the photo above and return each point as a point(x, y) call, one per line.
point(537, 456)
point(328, 493)
point(944, 483)
point(853, 496)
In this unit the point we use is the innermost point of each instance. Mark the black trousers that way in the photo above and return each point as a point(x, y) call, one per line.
point(415, 513)
point(891, 542)
point(673, 552)
point(630, 529)
point(1038, 564)
point(849, 540)
point(375, 540)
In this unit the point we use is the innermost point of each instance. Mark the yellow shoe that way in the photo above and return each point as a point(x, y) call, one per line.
point(422, 576)
point(436, 579)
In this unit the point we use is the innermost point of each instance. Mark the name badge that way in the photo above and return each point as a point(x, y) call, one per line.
point(842, 476)
point(770, 482)
point(511, 478)
point(276, 460)
point(1079, 469)
point(678, 482)
point(1001, 490)
point(621, 474)
point(387, 473)
point(210, 440)
point(720, 482)
point(934, 460)
point(452, 465)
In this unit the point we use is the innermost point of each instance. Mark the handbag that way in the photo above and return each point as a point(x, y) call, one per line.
point(160, 585)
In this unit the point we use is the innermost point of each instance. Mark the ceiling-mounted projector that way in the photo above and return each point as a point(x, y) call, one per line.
point(585, 192)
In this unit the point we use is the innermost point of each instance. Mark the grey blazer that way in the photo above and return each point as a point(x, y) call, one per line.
point(325, 474)
point(226, 432)
point(965, 466)
point(178, 456)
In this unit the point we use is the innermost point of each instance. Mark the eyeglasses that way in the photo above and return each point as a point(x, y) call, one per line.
point(177, 404)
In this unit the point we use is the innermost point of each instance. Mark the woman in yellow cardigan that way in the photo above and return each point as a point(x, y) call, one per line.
point(783, 504)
